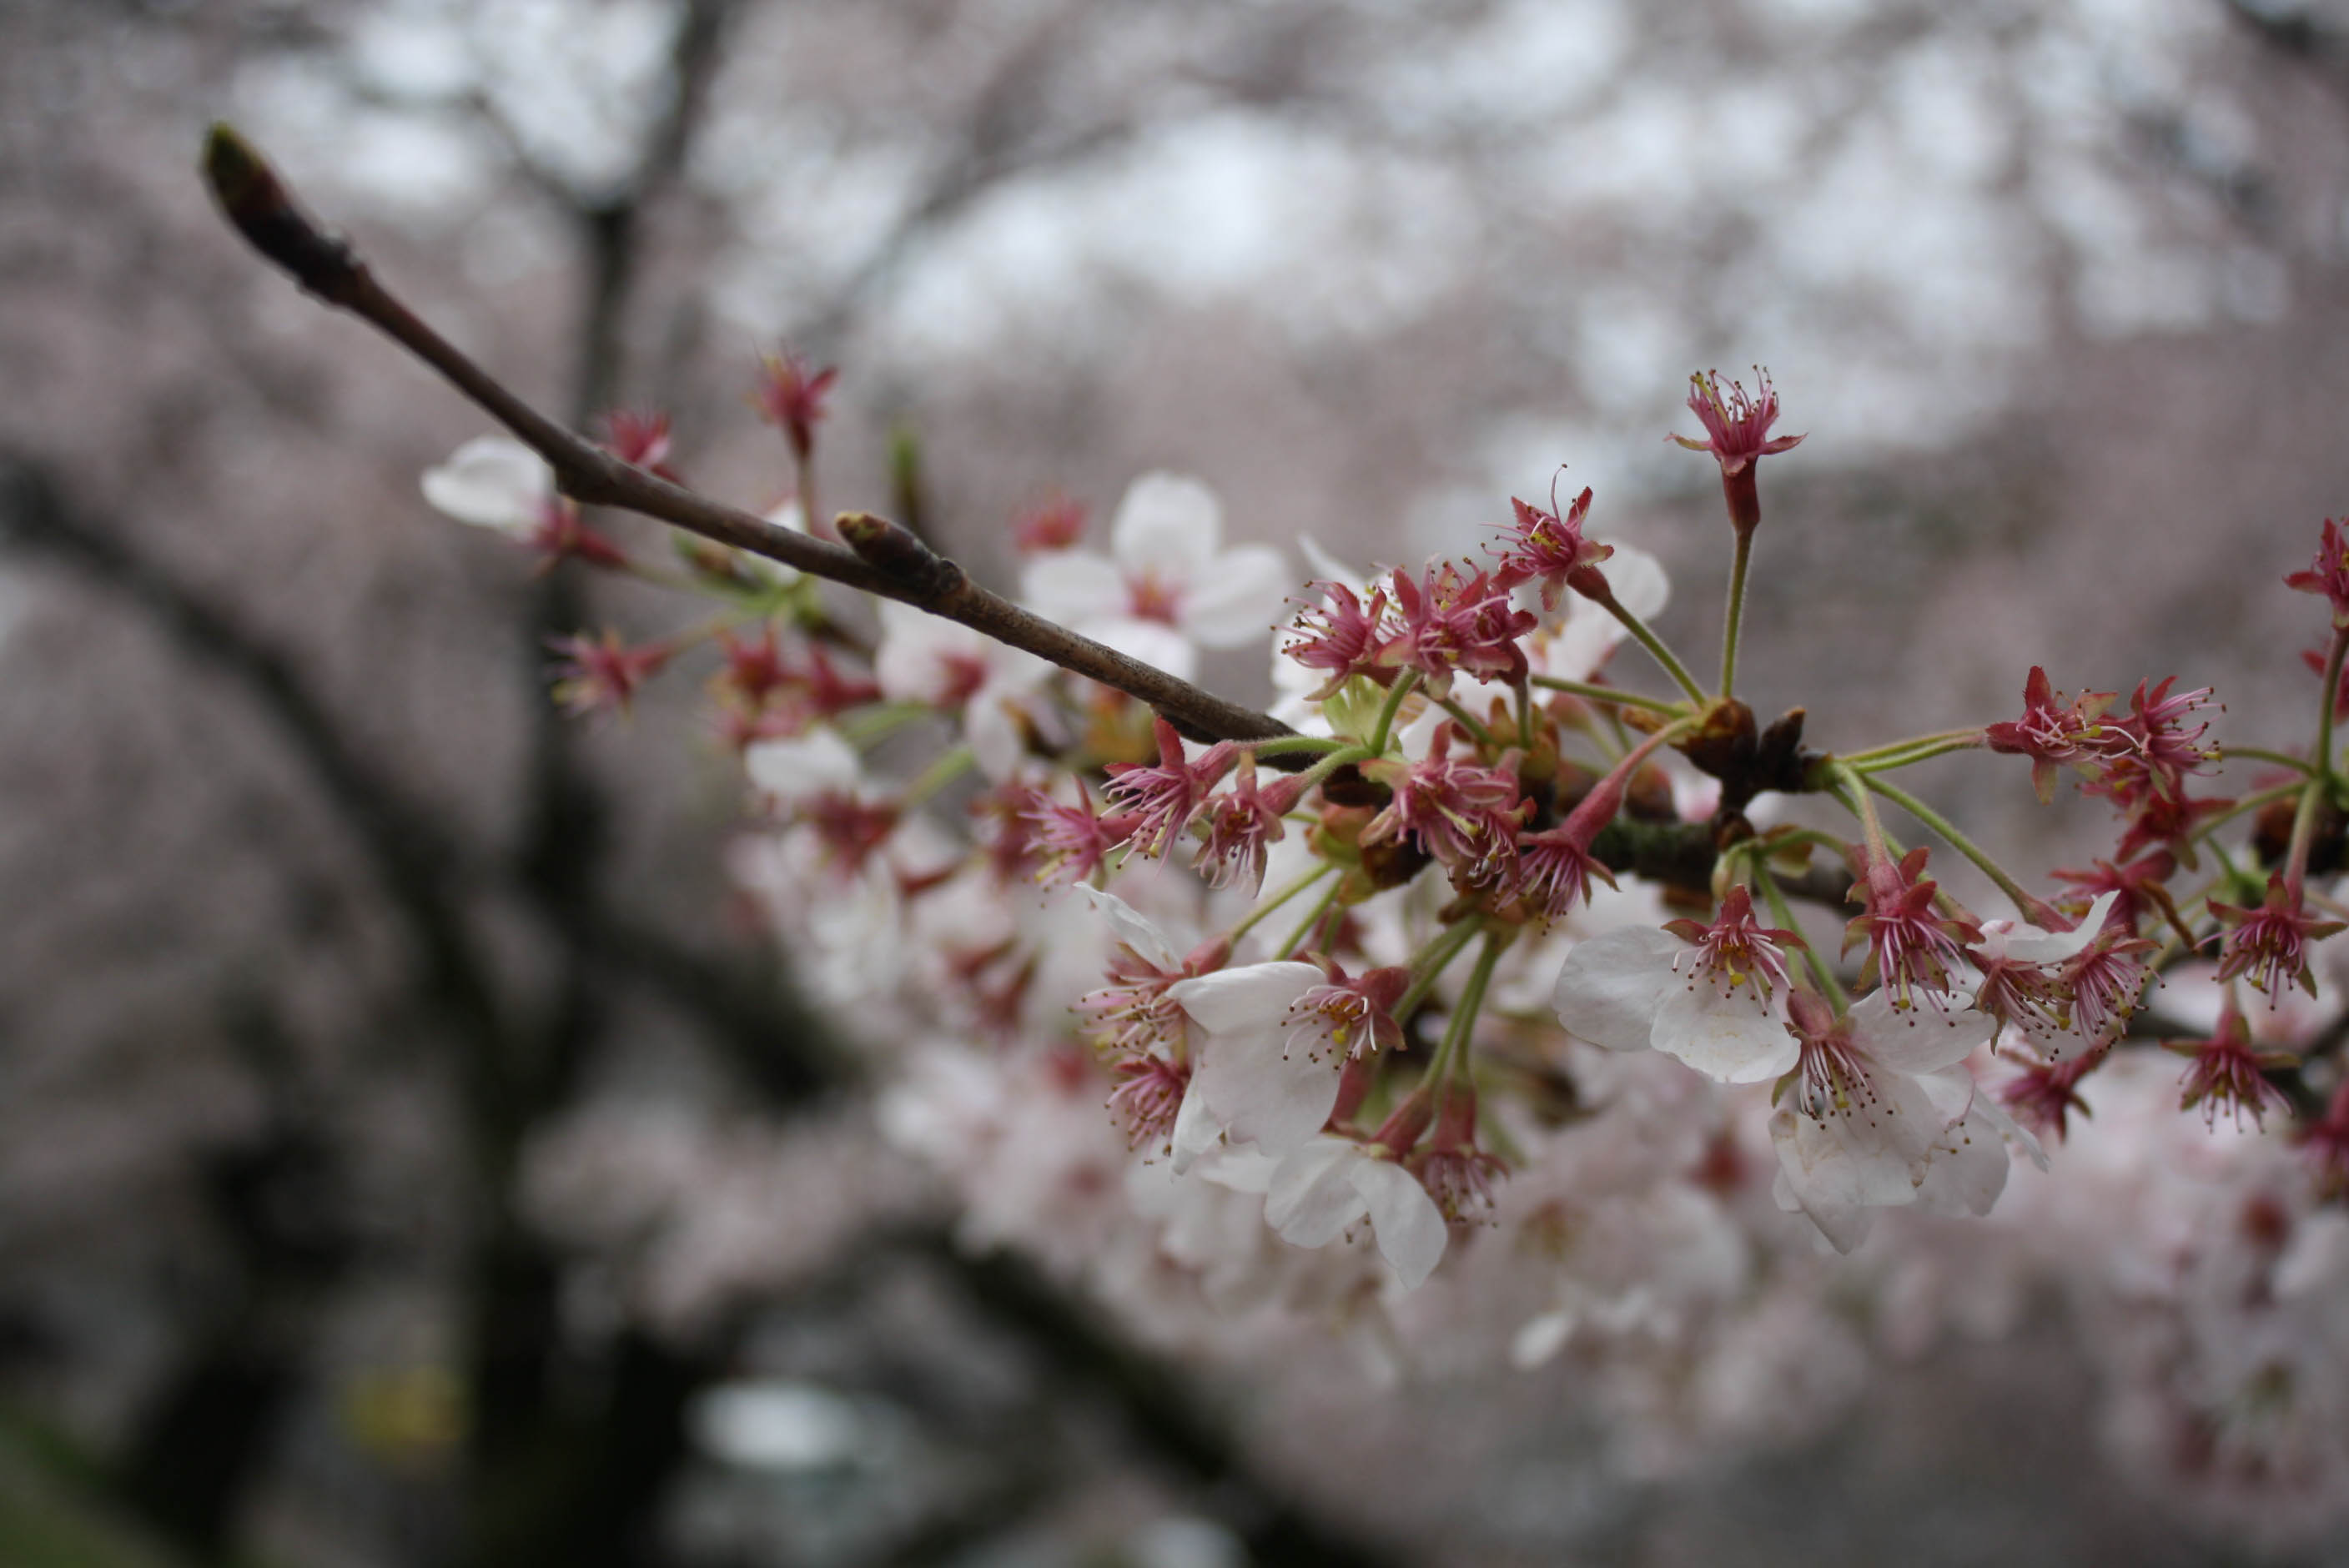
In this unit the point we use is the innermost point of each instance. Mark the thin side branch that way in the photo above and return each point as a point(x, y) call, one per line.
point(882, 559)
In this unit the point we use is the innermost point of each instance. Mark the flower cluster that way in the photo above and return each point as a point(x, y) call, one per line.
point(1491, 941)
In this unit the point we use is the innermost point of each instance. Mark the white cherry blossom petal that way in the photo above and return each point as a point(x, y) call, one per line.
point(1254, 995)
point(491, 481)
point(1938, 1032)
point(1607, 992)
point(1238, 597)
point(2030, 944)
point(1731, 1038)
point(1819, 1176)
point(1195, 1130)
point(1951, 1091)
point(1312, 1198)
point(1843, 1224)
point(1133, 928)
point(1073, 585)
point(1969, 1170)
point(998, 741)
point(802, 766)
point(1409, 1226)
point(1263, 1092)
point(1168, 521)
point(1987, 1107)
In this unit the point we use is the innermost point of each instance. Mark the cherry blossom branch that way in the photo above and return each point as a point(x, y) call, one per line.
point(880, 557)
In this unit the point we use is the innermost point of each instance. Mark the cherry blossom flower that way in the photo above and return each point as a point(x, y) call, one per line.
point(1138, 1012)
point(2054, 733)
point(1148, 1098)
point(1461, 813)
point(2227, 1074)
point(1449, 621)
point(599, 676)
point(1164, 798)
point(1276, 1035)
point(2106, 978)
point(1054, 524)
point(1708, 995)
point(1167, 587)
point(496, 483)
point(641, 440)
point(791, 396)
point(2156, 750)
point(2269, 943)
point(2156, 817)
point(1072, 841)
point(1461, 1176)
point(1864, 1110)
point(2138, 885)
point(2027, 975)
point(2326, 1143)
point(1910, 947)
point(1549, 547)
point(1330, 1183)
point(1736, 435)
point(1243, 824)
point(1554, 870)
point(2044, 1094)
point(2328, 574)
point(927, 658)
point(1736, 427)
point(1340, 637)
point(816, 779)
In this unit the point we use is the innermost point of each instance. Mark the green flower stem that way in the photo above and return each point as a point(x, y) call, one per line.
point(1308, 780)
point(1312, 919)
point(1283, 745)
point(1428, 967)
point(2299, 765)
point(1924, 751)
point(1404, 686)
point(1876, 754)
point(1821, 975)
point(1851, 789)
point(675, 581)
point(2245, 806)
point(2319, 782)
point(1468, 721)
point(950, 766)
point(868, 724)
point(1605, 694)
point(1277, 899)
point(2031, 906)
point(1734, 616)
point(1453, 1053)
point(1524, 716)
point(1655, 646)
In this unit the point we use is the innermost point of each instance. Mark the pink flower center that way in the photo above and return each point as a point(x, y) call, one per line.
point(1149, 597)
point(1834, 1081)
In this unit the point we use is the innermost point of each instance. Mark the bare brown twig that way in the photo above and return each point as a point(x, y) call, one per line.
point(882, 559)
